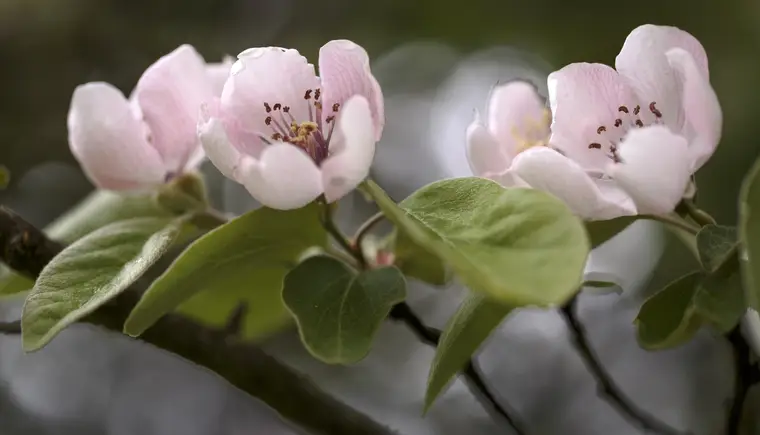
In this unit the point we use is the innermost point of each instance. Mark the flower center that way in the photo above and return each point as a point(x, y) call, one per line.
point(533, 132)
point(310, 135)
point(627, 119)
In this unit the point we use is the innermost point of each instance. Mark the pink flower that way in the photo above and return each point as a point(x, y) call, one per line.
point(142, 142)
point(289, 136)
point(622, 142)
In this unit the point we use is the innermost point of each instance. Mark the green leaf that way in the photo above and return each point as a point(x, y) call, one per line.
point(5, 177)
point(520, 246)
point(11, 282)
point(601, 231)
point(337, 310)
point(668, 319)
point(90, 272)
point(749, 234)
point(720, 299)
point(473, 322)
point(716, 243)
point(418, 263)
point(243, 260)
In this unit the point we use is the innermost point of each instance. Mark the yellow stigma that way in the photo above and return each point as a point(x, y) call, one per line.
point(533, 133)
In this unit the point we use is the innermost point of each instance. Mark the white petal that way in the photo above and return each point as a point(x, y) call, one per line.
point(517, 113)
point(284, 178)
point(703, 113)
point(218, 147)
point(545, 169)
point(655, 168)
point(485, 154)
point(109, 142)
point(349, 166)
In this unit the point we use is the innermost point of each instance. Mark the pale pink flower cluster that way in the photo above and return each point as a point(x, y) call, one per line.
point(622, 141)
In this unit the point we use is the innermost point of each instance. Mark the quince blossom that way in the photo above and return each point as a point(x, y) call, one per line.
point(290, 136)
point(622, 142)
point(144, 141)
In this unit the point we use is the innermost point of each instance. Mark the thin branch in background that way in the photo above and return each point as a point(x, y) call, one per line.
point(27, 250)
point(746, 375)
point(10, 327)
point(607, 386)
point(472, 374)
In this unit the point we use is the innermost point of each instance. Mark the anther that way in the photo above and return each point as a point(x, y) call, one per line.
point(307, 95)
point(318, 105)
point(277, 136)
point(268, 120)
point(329, 119)
point(639, 123)
point(596, 146)
point(618, 122)
point(601, 129)
point(267, 107)
point(623, 109)
point(654, 110)
point(636, 109)
point(317, 93)
point(277, 106)
point(335, 107)
point(286, 109)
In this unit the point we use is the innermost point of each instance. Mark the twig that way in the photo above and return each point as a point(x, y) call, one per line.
point(746, 375)
point(26, 249)
point(431, 336)
point(607, 386)
point(10, 327)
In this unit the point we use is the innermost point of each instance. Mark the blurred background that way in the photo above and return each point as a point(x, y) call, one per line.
point(436, 61)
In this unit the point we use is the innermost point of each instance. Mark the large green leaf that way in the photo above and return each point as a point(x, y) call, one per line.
point(720, 299)
point(520, 246)
point(244, 260)
point(749, 234)
point(715, 244)
point(669, 318)
point(100, 208)
point(90, 272)
point(338, 311)
point(473, 322)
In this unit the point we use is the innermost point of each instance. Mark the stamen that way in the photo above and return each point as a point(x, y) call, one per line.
point(267, 107)
point(277, 106)
point(335, 107)
point(307, 95)
point(318, 106)
point(601, 129)
point(636, 109)
point(596, 146)
point(317, 94)
point(618, 122)
point(286, 110)
point(639, 123)
point(654, 110)
point(623, 109)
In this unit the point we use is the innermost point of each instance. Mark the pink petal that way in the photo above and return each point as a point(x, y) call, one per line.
point(218, 147)
point(485, 154)
point(108, 141)
point(545, 169)
point(349, 165)
point(583, 98)
point(516, 113)
point(270, 75)
point(285, 178)
point(170, 94)
point(643, 62)
point(344, 71)
point(217, 74)
point(655, 168)
point(703, 113)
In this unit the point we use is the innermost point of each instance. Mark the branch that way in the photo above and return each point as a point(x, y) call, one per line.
point(431, 336)
point(27, 250)
point(607, 387)
point(747, 375)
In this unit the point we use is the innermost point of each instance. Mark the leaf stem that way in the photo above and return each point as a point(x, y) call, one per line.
point(431, 336)
point(700, 216)
point(607, 386)
point(746, 375)
point(27, 250)
point(366, 227)
point(329, 224)
point(674, 222)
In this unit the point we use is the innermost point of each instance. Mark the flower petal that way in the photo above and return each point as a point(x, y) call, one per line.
point(218, 147)
point(486, 156)
point(655, 168)
point(643, 62)
point(170, 94)
point(218, 73)
point(583, 98)
point(703, 113)
point(349, 165)
point(270, 75)
point(284, 178)
point(108, 141)
point(545, 169)
point(344, 71)
point(517, 114)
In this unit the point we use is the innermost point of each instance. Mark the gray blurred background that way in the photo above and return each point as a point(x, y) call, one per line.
point(436, 60)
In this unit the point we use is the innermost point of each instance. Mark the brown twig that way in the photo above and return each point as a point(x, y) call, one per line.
point(27, 250)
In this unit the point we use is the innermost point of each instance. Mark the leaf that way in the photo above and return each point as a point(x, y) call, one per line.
point(243, 260)
point(418, 263)
point(601, 231)
point(90, 272)
point(337, 310)
point(715, 244)
point(749, 234)
point(5, 177)
point(470, 326)
point(720, 300)
point(668, 319)
point(520, 246)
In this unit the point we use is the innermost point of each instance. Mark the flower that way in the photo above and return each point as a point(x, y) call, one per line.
point(144, 141)
point(622, 142)
point(289, 136)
